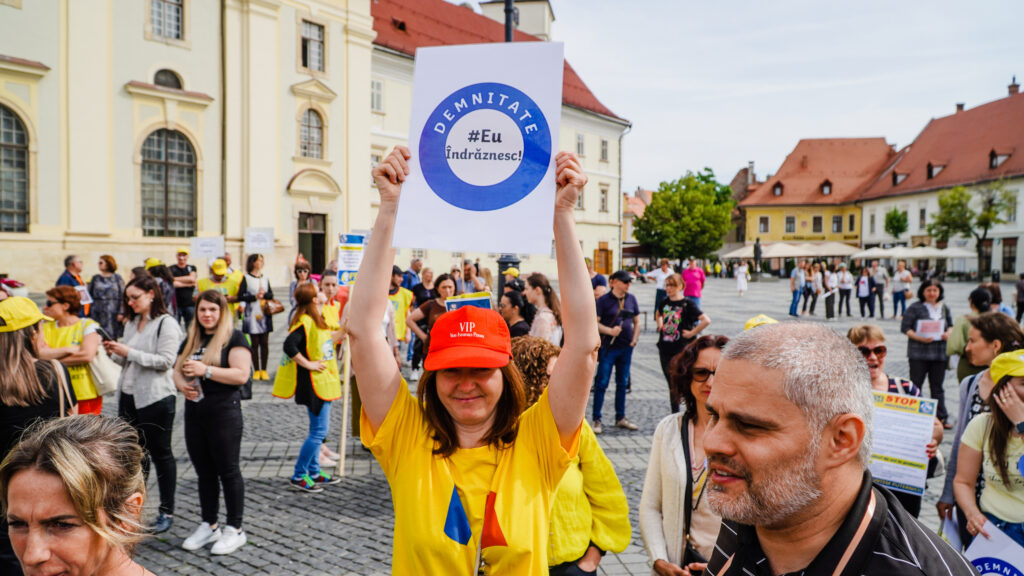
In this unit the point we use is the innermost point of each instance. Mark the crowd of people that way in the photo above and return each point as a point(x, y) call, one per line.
point(759, 465)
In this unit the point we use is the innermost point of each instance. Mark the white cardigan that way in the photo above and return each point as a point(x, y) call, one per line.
point(661, 505)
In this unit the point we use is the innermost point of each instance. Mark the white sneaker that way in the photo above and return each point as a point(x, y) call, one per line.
point(201, 537)
point(232, 540)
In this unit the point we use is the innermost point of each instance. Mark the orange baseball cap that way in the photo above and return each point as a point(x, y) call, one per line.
point(469, 337)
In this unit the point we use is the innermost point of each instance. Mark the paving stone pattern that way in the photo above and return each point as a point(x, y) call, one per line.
point(348, 528)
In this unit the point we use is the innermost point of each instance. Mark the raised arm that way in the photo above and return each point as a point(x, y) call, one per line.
point(574, 371)
point(377, 375)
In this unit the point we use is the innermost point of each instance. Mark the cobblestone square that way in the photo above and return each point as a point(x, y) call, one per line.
point(347, 529)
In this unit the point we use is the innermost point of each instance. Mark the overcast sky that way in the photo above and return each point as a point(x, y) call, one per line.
point(719, 84)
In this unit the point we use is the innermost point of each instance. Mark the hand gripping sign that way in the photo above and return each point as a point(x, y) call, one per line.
point(484, 123)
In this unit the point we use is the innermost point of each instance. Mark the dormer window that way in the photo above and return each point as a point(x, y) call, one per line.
point(826, 188)
point(934, 170)
point(898, 177)
point(777, 189)
point(996, 159)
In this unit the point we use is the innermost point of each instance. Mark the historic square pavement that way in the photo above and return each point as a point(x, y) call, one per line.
point(347, 528)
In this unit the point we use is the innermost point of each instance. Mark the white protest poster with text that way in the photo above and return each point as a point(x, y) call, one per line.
point(483, 138)
point(901, 429)
point(997, 554)
point(208, 247)
point(259, 240)
point(350, 257)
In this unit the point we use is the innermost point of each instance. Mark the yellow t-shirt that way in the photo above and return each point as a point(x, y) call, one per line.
point(440, 504)
point(401, 300)
point(1006, 502)
point(228, 286)
point(74, 335)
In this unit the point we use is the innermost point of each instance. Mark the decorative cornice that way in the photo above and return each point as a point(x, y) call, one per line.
point(314, 90)
point(23, 66)
point(136, 88)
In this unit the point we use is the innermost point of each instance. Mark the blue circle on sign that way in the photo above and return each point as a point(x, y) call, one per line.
point(536, 155)
point(988, 565)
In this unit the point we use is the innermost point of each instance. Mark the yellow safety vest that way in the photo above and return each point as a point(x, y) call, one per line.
point(228, 287)
point(319, 346)
point(59, 337)
point(332, 315)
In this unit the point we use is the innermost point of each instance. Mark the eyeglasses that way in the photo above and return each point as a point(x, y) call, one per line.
point(50, 303)
point(702, 374)
point(878, 351)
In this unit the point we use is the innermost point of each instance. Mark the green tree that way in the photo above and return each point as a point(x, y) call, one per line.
point(687, 217)
point(956, 217)
point(896, 222)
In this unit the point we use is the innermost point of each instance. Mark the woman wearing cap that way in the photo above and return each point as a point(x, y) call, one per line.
point(679, 323)
point(147, 402)
point(870, 341)
point(590, 515)
point(989, 335)
point(547, 320)
point(30, 390)
point(993, 444)
point(74, 341)
point(107, 290)
point(311, 375)
point(472, 474)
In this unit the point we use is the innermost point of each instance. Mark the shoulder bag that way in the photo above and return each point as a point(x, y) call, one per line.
point(62, 385)
point(104, 371)
point(690, 554)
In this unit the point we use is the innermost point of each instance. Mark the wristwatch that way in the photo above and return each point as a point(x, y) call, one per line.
point(1020, 427)
point(209, 372)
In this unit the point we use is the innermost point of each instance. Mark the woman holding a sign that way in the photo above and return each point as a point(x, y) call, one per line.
point(928, 324)
point(993, 444)
point(473, 474)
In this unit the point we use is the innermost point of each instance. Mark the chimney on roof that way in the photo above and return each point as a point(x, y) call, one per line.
point(1014, 87)
point(534, 16)
point(750, 173)
point(959, 106)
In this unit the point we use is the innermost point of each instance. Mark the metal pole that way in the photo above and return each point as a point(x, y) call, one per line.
point(510, 10)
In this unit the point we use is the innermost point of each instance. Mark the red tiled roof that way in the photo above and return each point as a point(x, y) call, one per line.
point(635, 206)
point(849, 164)
point(961, 143)
point(404, 25)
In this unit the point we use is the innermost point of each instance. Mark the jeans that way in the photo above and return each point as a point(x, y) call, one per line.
point(186, 314)
point(794, 305)
point(309, 454)
point(1014, 531)
point(154, 424)
point(899, 303)
point(620, 359)
point(935, 370)
point(410, 346)
point(844, 296)
point(213, 437)
point(659, 296)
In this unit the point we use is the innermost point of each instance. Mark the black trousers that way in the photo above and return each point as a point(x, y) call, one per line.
point(666, 352)
point(935, 370)
point(867, 302)
point(154, 424)
point(213, 437)
point(881, 301)
point(260, 350)
point(830, 305)
point(844, 296)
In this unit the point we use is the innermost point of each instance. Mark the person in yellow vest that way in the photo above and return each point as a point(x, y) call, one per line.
point(74, 341)
point(590, 515)
point(472, 471)
point(309, 373)
point(401, 299)
point(221, 280)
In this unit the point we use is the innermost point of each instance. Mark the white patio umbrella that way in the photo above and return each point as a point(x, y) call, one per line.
point(875, 252)
point(957, 252)
point(834, 249)
point(744, 253)
point(783, 250)
point(926, 252)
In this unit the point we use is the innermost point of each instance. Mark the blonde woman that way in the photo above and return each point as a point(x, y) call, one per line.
point(72, 492)
point(212, 365)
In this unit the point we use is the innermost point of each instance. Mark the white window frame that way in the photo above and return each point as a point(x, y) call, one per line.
point(603, 199)
point(790, 225)
point(604, 149)
point(764, 224)
point(580, 148)
point(837, 219)
point(306, 145)
point(377, 95)
point(309, 65)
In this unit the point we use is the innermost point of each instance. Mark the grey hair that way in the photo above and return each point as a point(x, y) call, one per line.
point(69, 259)
point(825, 376)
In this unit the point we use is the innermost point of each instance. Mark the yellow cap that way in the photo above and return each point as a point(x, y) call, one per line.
point(759, 320)
point(18, 312)
point(151, 262)
point(183, 250)
point(219, 267)
point(1007, 364)
point(513, 272)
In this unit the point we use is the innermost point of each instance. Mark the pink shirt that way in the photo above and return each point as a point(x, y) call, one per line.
point(694, 278)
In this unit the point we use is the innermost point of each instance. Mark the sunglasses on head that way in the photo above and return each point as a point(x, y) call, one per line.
point(702, 374)
point(878, 351)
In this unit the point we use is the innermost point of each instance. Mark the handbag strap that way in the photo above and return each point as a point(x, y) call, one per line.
point(684, 433)
point(62, 385)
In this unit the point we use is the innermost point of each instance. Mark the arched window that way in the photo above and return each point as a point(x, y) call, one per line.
point(13, 172)
point(311, 135)
point(168, 185)
point(167, 79)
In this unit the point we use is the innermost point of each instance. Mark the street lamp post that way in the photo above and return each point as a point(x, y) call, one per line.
point(507, 261)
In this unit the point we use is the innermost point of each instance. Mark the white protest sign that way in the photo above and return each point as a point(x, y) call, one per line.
point(901, 429)
point(208, 247)
point(350, 256)
point(997, 554)
point(259, 240)
point(483, 137)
